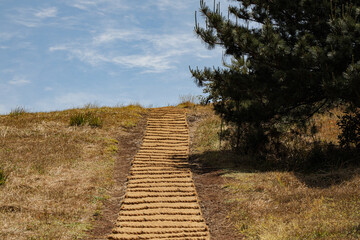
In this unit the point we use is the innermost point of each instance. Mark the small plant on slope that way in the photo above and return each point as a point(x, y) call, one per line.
point(89, 118)
point(17, 111)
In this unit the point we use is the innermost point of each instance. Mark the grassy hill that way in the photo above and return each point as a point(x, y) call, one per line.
point(56, 177)
point(264, 201)
point(62, 175)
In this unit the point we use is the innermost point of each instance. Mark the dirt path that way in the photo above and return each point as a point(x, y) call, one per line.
point(161, 200)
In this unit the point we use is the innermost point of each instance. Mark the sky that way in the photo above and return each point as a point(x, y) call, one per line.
point(63, 54)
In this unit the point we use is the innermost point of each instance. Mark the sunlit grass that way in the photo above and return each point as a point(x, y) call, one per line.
point(52, 172)
point(280, 205)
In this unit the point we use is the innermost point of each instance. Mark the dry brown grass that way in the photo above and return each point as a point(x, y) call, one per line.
point(279, 205)
point(57, 176)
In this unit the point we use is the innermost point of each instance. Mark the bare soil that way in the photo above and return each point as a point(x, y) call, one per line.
point(209, 186)
point(129, 143)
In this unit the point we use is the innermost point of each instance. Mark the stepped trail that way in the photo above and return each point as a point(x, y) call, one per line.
point(161, 201)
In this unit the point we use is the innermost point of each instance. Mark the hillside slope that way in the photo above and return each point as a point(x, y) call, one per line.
point(57, 177)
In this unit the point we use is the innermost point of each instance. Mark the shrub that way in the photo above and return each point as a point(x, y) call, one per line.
point(94, 121)
point(350, 129)
point(77, 120)
point(88, 118)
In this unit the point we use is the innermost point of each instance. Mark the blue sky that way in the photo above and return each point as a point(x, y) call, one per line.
point(62, 54)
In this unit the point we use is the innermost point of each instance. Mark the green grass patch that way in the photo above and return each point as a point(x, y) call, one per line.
point(88, 118)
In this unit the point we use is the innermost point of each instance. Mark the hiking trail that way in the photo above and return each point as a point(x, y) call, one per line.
point(161, 200)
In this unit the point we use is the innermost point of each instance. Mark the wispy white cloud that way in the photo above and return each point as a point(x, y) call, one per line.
point(153, 53)
point(25, 17)
point(133, 46)
point(58, 48)
point(165, 5)
point(148, 62)
point(116, 34)
point(19, 81)
point(83, 53)
point(31, 17)
point(177, 41)
point(99, 5)
point(83, 4)
point(91, 56)
point(151, 63)
point(46, 12)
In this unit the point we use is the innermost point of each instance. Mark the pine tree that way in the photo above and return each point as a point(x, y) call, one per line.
point(289, 59)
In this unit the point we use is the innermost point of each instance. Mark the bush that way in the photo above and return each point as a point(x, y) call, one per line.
point(94, 121)
point(77, 120)
point(89, 118)
point(350, 129)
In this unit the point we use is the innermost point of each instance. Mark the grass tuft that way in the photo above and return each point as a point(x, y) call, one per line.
point(91, 106)
point(188, 101)
point(17, 111)
point(88, 118)
point(77, 120)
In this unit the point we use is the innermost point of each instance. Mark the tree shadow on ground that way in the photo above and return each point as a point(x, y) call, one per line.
point(319, 169)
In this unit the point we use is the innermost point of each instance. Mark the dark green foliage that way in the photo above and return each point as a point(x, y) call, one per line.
point(247, 138)
point(302, 57)
point(88, 118)
point(350, 130)
point(320, 157)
